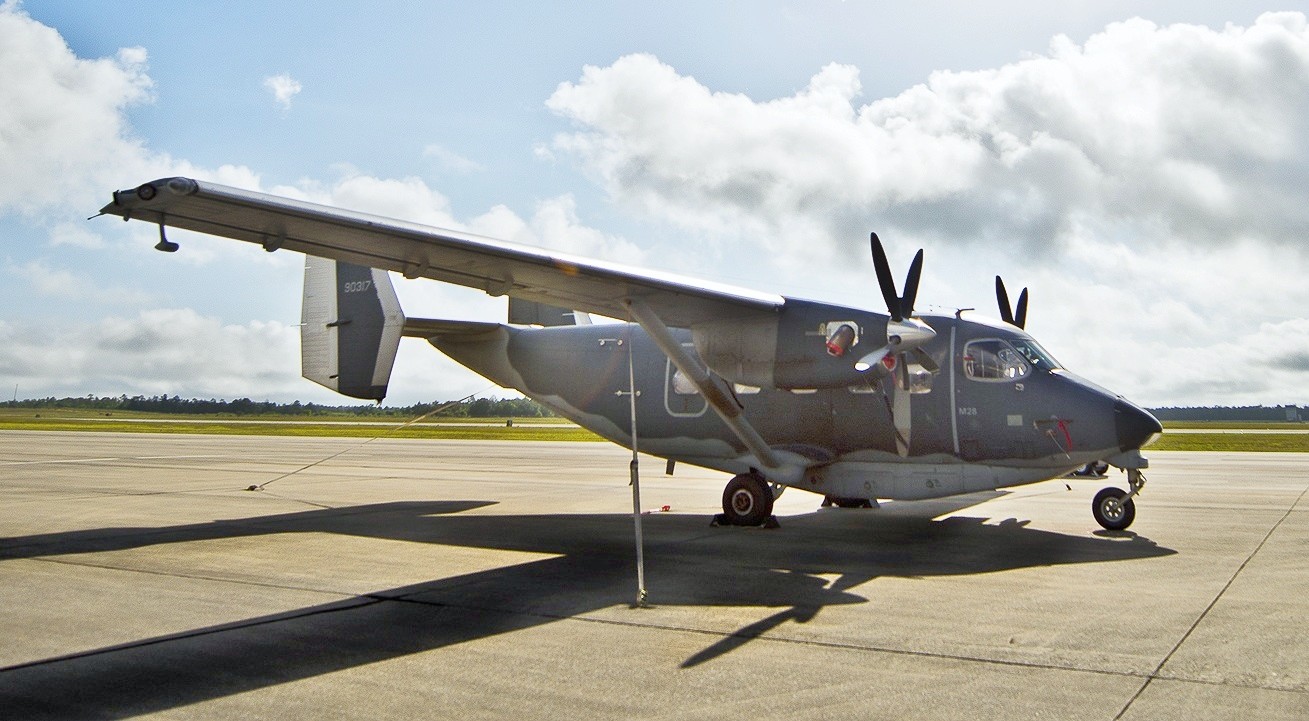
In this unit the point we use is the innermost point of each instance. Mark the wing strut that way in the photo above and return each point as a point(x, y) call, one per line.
point(696, 372)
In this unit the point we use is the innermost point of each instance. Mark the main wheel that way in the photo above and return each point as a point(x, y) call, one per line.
point(1111, 511)
point(747, 500)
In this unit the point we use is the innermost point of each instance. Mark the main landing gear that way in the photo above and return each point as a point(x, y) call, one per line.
point(1113, 509)
point(747, 501)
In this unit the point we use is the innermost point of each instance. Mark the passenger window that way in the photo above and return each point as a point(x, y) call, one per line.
point(995, 361)
point(683, 386)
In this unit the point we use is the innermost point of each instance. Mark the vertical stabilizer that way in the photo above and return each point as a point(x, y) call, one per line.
point(350, 328)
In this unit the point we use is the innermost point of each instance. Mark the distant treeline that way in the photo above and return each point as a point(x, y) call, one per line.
point(493, 407)
point(1280, 414)
point(477, 408)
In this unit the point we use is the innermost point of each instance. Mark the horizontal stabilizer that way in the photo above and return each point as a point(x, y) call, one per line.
point(433, 328)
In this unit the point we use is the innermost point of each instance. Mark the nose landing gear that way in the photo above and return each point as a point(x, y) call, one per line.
point(1113, 509)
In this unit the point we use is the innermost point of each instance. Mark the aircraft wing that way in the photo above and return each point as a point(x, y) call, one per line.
point(496, 267)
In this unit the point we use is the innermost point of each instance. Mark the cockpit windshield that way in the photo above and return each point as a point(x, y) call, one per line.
point(1039, 357)
point(994, 360)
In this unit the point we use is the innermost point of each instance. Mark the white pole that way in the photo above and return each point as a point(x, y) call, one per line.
point(635, 471)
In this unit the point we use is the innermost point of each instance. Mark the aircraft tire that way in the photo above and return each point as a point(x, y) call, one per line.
point(1111, 512)
point(747, 500)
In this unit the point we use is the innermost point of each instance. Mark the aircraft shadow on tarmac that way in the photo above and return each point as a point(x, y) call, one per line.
point(591, 568)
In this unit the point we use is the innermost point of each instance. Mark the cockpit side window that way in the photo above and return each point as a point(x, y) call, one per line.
point(995, 361)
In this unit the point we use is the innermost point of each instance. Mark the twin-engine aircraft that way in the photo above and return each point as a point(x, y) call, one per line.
point(847, 403)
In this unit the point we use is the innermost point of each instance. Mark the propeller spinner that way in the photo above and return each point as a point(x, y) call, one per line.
point(1017, 316)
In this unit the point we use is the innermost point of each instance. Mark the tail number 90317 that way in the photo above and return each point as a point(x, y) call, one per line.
point(356, 286)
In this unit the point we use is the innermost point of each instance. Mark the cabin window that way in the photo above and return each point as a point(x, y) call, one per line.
point(995, 361)
point(683, 386)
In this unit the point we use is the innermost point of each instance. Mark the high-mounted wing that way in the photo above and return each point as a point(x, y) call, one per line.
point(418, 251)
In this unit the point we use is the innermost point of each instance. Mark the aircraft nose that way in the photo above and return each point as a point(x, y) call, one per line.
point(1135, 426)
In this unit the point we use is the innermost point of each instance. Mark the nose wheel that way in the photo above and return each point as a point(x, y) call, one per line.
point(1113, 508)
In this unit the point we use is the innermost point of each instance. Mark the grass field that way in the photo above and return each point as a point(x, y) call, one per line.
point(523, 429)
point(1237, 426)
point(1233, 442)
point(82, 414)
point(1223, 438)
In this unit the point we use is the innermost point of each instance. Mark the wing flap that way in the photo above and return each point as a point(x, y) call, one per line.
point(493, 266)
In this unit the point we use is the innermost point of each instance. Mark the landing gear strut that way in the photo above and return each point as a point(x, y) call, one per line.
point(1113, 509)
point(747, 501)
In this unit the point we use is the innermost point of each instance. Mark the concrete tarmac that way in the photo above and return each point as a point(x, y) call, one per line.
point(462, 579)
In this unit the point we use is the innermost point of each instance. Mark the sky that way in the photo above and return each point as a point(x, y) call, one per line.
point(1142, 167)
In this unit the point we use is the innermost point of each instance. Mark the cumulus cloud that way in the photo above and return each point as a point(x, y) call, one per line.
point(1163, 132)
point(50, 281)
point(64, 133)
point(554, 224)
point(77, 235)
point(154, 353)
point(450, 160)
point(284, 88)
point(62, 127)
point(1149, 182)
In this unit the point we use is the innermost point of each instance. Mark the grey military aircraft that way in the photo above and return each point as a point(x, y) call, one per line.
point(847, 403)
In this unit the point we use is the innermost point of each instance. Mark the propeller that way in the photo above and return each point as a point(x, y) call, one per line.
point(905, 335)
point(1018, 316)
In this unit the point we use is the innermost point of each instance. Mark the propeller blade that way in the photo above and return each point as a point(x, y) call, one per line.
point(1020, 315)
point(884, 279)
point(1002, 298)
point(911, 285)
point(901, 416)
point(872, 359)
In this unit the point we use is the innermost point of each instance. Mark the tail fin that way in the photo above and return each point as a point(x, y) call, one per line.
point(351, 326)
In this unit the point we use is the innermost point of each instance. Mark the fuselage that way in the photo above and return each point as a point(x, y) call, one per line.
point(998, 410)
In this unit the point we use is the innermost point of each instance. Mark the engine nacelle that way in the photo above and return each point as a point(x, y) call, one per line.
point(741, 351)
point(806, 345)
